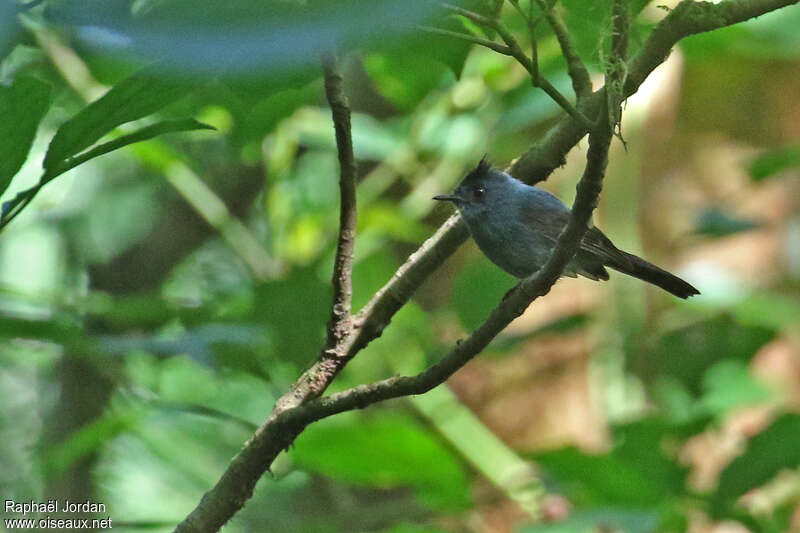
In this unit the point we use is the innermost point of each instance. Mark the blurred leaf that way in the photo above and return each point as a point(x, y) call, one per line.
point(404, 78)
point(370, 274)
point(13, 207)
point(686, 353)
point(729, 385)
point(448, 51)
point(590, 480)
point(255, 118)
point(717, 223)
point(24, 60)
point(477, 290)
point(10, 27)
point(636, 473)
point(206, 344)
point(769, 452)
point(772, 35)
point(87, 440)
point(22, 106)
point(295, 309)
point(379, 452)
point(57, 328)
point(588, 22)
point(373, 139)
point(135, 97)
point(386, 218)
point(773, 311)
point(772, 162)
point(598, 520)
point(238, 35)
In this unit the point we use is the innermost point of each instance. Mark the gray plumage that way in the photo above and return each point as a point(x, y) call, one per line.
point(517, 226)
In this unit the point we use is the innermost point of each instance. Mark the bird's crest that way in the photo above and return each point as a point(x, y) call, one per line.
point(480, 172)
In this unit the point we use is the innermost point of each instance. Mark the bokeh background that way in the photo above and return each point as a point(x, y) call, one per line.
point(155, 302)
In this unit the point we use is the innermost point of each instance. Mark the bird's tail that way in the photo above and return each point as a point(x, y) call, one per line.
point(639, 268)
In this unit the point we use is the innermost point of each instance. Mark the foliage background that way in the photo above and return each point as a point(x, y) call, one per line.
point(146, 329)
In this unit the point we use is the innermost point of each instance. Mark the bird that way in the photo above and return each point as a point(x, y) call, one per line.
point(517, 226)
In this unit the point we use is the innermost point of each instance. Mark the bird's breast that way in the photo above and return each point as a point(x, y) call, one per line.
point(517, 249)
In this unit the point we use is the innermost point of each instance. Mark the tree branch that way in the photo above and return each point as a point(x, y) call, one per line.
point(531, 35)
point(340, 325)
point(497, 47)
point(616, 69)
point(577, 71)
point(289, 418)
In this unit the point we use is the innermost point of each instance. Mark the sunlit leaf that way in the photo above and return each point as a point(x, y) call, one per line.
point(136, 97)
point(13, 207)
point(22, 106)
point(729, 385)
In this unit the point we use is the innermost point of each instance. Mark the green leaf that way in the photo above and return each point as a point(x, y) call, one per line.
point(637, 472)
point(13, 207)
point(769, 163)
point(22, 106)
point(381, 452)
point(716, 223)
point(774, 311)
point(685, 354)
point(87, 440)
point(143, 134)
point(588, 23)
point(769, 452)
point(295, 310)
point(729, 385)
point(477, 290)
point(135, 97)
point(404, 77)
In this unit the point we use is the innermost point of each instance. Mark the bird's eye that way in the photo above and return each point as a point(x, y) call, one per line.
point(479, 192)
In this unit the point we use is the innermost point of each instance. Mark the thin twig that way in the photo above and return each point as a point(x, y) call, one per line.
point(497, 47)
point(576, 69)
point(340, 325)
point(616, 67)
point(528, 18)
point(529, 65)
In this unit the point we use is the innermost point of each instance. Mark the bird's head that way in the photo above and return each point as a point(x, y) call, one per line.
point(483, 189)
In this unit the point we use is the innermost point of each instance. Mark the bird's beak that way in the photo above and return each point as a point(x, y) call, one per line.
point(448, 198)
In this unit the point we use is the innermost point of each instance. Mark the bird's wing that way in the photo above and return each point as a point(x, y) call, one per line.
point(595, 242)
point(550, 223)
